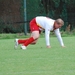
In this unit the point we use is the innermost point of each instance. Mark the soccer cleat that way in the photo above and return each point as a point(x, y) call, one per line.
point(16, 43)
point(23, 47)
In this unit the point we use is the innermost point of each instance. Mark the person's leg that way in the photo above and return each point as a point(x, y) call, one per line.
point(34, 42)
point(22, 41)
point(19, 41)
point(34, 33)
point(34, 36)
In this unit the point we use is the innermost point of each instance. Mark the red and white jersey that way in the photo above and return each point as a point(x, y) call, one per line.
point(47, 24)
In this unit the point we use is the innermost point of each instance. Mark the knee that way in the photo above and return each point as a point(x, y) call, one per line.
point(36, 37)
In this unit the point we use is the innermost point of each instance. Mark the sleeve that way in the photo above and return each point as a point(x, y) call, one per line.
point(57, 32)
point(47, 32)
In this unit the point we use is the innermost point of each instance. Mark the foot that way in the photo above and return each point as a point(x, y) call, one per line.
point(23, 47)
point(16, 43)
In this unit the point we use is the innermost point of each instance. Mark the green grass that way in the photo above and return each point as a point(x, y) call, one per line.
point(12, 36)
point(38, 60)
point(22, 35)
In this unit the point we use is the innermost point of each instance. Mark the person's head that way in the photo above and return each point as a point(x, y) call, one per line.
point(58, 23)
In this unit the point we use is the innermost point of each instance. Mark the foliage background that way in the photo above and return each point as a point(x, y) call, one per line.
point(13, 11)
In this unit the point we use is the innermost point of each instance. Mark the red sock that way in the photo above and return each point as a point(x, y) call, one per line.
point(22, 41)
point(29, 41)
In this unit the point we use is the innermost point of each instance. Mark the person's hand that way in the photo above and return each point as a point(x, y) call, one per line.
point(48, 46)
point(63, 46)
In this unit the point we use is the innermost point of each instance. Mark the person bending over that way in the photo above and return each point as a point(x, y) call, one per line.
point(36, 25)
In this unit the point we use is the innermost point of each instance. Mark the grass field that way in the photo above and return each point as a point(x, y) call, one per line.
point(38, 60)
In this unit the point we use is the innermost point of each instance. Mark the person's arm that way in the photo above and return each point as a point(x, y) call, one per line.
point(47, 32)
point(57, 32)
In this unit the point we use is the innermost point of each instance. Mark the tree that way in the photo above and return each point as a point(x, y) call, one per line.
point(64, 9)
point(48, 5)
point(71, 13)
